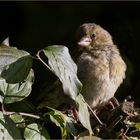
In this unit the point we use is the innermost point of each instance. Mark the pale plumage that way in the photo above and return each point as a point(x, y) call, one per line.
point(100, 66)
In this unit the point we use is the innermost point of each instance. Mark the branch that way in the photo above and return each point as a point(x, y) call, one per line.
point(21, 113)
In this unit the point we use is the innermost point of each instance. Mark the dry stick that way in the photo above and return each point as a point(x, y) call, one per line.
point(115, 122)
point(97, 118)
point(21, 113)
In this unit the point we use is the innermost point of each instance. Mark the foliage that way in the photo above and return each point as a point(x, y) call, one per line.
point(16, 80)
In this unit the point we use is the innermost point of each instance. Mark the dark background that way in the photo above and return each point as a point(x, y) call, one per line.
point(35, 25)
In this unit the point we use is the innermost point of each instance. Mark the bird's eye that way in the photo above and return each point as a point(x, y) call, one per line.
point(93, 36)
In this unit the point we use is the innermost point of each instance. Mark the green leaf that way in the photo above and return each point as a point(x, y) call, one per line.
point(137, 125)
point(35, 132)
point(63, 122)
point(10, 93)
point(17, 71)
point(132, 138)
point(17, 118)
point(59, 121)
point(8, 129)
point(83, 113)
point(15, 64)
point(63, 66)
point(16, 76)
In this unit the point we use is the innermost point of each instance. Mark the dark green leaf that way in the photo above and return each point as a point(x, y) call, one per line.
point(64, 67)
point(17, 71)
point(15, 64)
point(8, 129)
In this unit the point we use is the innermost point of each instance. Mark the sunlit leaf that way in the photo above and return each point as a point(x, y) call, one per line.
point(17, 118)
point(35, 132)
point(137, 125)
point(10, 93)
point(63, 122)
point(8, 129)
point(133, 138)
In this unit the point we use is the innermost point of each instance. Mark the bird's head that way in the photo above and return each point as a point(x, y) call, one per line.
point(91, 34)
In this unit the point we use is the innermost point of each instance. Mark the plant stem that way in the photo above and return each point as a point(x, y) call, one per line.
point(38, 56)
point(97, 118)
point(23, 114)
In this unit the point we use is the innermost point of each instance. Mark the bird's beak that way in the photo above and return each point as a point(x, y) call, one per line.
point(84, 42)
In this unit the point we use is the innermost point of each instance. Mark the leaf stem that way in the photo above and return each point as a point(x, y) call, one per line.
point(38, 56)
point(23, 114)
point(3, 110)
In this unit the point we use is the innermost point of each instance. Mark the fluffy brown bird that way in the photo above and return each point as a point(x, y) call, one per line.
point(100, 66)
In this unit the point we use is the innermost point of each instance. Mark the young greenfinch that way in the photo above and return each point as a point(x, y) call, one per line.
point(101, 69)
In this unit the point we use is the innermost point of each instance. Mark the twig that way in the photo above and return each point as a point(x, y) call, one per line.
point(115, 122)
point(94, 114)
point(21, 113)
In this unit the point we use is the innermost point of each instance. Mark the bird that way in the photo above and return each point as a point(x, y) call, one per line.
point(101, 68)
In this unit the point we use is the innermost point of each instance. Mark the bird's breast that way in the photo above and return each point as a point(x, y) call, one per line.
point(100, 76)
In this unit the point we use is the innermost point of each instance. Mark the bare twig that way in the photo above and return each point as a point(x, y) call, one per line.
point(94, 114)
point(21, 113)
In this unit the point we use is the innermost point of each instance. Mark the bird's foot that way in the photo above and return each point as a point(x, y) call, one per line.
point(110, 105)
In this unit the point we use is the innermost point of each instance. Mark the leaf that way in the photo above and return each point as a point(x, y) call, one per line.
point(137, 125)
point(10, 93)
point(35, 132)
point(90, 138)
point(85, 136)
point(83, 113)
point(64, 67)
point(59, 121)
point(16, 76)
point(8, 129)
point(15, 64)
point(17, 118)
point(17, 71)
point(63, 122)
point(132, 138)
